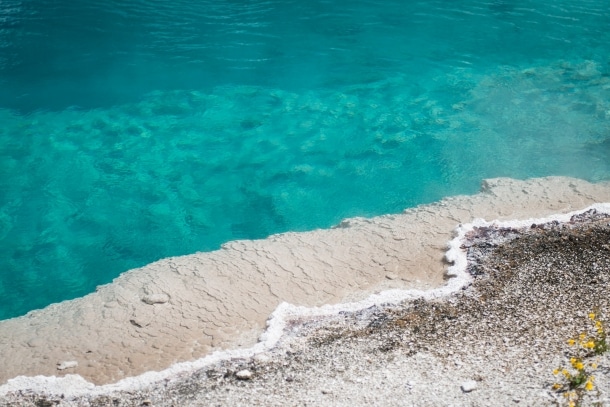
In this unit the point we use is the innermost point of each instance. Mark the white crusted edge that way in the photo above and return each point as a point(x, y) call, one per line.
point(74, 385)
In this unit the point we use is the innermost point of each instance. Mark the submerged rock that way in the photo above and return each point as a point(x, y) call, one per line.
point(67, 365)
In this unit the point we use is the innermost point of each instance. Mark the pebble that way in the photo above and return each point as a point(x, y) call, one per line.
point(468, 386)
point(244, 374)
point(67, 365)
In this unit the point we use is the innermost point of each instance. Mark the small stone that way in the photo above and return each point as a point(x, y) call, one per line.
point(327, 391)
point(147, 402)
point(67, 365)
point(244, 374)
point(468, 386)
point(151, 299)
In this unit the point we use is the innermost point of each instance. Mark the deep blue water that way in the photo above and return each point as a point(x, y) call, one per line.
point(132, 131)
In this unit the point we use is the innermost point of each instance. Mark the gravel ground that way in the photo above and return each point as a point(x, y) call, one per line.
point(494, 343)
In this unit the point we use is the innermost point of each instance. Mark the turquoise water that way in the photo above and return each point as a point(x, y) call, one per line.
point(132, 132)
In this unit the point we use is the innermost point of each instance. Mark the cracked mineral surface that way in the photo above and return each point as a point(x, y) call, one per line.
point(180, 309)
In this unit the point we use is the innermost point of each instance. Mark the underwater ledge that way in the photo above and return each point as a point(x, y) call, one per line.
point(183, 313)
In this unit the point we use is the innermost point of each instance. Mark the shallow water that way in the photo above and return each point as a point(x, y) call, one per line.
point(135, 132)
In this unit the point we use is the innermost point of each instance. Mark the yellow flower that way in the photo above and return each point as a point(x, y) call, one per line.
point(571, 342)
point(566, 373)
point(589, 344)
point(582, 336)
point(571, 404)
point(592, 316)
point(576, 363)
point(594, 365)
point(598, 324)
point(589, 386)
point(556, 372)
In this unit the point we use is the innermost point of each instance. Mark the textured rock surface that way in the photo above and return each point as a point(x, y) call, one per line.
point(182, 308)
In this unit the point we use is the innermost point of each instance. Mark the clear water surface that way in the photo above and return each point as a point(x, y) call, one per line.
point(132, 131)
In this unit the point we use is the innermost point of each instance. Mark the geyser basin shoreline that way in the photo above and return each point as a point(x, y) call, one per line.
point(423, 351)
point(181, 309)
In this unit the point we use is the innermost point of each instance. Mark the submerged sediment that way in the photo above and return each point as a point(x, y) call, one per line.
point(181, 309)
